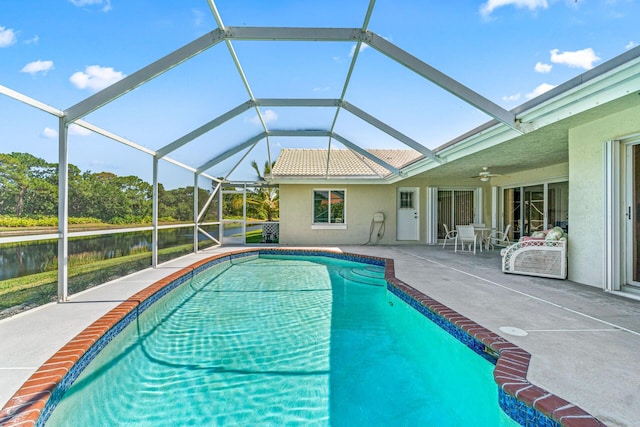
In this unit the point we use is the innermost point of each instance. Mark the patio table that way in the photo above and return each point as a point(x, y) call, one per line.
point(483, 233)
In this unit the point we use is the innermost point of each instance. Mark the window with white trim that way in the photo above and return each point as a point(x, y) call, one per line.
point(329, 206)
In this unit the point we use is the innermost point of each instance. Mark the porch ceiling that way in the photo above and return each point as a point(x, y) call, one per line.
point(543, 147)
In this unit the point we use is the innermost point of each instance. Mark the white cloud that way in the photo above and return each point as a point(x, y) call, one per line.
point(631, 45)
point(74, 129)
point(103, 5)
point(363, 46)
point(7, 37)
point(267, 115)
point(321, 89)
point(491, 5)
point(544, 87)
point(543, 68)
point(579, 59)
point(38, 66)
point(96, 77)
point(198, 17)
point(511, 98)
point(49, 133)
point(34, 40)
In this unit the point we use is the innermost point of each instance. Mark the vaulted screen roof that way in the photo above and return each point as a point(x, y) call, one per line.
point(252, 79)
point(229, 35)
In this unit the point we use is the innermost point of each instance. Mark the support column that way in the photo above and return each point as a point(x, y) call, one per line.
point(432, 215)
point(63, 211)
point(495, 208)
point(154, 215)
point(220, 225)
point(195, 212)
point(479, 204)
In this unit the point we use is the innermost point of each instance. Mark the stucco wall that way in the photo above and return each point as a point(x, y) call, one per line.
point(586, 192)
point(362, 201)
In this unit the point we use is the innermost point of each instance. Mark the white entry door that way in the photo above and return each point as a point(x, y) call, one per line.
point(408, 223)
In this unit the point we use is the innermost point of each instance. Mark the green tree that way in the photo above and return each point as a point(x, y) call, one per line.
point(28, 185)
point(264, 201)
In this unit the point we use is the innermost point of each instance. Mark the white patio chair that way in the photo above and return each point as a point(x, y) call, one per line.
point(448, 235)
point(466, 235)
point(499, 238)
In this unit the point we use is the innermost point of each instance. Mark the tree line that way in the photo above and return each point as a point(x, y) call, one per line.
point(29, 188)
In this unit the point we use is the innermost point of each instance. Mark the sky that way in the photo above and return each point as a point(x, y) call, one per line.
point(59, 52)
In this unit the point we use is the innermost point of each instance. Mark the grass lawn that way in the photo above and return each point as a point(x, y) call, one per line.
point(22, 293)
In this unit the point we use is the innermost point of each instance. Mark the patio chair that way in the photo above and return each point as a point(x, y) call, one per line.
point(270, 232)
point(499, 238)
point(448, 235)
point(466, 235)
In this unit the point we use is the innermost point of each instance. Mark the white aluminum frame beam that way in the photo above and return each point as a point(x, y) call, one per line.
point(208, 202)
point(366, 154)
point(347, 79)
point(293, 33)
point(204, 128)
point(30, 101)
point(89, 126)
point(154, 215)
point(243, 77)
point(297, 102)
point(230, 152)
point(383, 46)
point(63, 210)
point(251, 142)
point(114, 137)
point(391, 131)
point(437, 77)
point(143, 75)
point(196, 191)
point(300, 132)
point(216, 241)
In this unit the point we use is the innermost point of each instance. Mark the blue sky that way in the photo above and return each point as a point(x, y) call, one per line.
point(62, 51)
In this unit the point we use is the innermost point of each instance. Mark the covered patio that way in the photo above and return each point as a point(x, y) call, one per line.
point(571, 329)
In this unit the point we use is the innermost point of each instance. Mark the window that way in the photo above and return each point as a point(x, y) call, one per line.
point(406, 200)
point(328, 206)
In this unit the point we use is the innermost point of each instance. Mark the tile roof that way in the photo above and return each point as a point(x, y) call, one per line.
point(313, 162)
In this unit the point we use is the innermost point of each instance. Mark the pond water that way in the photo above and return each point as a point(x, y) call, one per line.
point(22, 259)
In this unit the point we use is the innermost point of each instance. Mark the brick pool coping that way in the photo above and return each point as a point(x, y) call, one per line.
point(521, 400)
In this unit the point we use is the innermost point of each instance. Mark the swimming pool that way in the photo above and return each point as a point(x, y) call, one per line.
point(316, 372)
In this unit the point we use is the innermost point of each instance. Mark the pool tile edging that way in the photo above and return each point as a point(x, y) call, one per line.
point(523, 401)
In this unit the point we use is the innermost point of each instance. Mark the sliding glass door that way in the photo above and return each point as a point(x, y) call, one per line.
point(455, 207)
point(536, 208)
point(631, 216)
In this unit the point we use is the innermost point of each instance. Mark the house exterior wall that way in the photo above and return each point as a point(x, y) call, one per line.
point(586, 192)
point(362, 201)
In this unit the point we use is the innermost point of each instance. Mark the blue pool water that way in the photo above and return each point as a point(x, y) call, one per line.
point(268, 341)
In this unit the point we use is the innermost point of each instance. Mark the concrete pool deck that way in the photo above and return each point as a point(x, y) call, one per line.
point(585, 344)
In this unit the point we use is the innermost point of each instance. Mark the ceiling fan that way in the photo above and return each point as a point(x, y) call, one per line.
point(485, 175)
